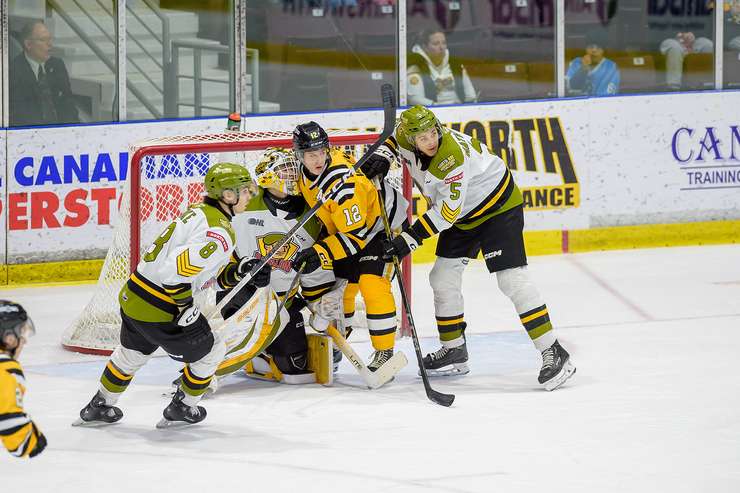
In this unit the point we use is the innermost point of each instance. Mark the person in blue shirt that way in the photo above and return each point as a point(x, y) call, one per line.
point(593, 74)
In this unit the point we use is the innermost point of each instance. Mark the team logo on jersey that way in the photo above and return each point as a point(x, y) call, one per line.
point(256, 222)
point(283, 258)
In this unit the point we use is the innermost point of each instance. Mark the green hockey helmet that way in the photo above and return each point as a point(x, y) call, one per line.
point(417, 120)
point(226, 176)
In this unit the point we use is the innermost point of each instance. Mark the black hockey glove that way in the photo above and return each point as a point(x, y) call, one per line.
point(400, 246)
point(40, 443)
point(309, 259)
point(378, 163)
point(194, 325)
point(261, 278)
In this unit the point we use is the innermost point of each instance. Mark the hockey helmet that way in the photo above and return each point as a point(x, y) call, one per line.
point(278, 169)
point(417, 120)
point(226, 176)
point(308, 137)
point(14, 320)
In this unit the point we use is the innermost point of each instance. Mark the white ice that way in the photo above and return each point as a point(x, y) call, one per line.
point(653, 407)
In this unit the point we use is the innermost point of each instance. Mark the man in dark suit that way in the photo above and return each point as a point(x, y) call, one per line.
point(40, 92)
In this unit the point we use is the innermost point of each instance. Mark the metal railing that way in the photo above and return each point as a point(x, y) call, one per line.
point(199, 47)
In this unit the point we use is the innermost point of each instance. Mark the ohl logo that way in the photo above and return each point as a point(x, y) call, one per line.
point(282, 258)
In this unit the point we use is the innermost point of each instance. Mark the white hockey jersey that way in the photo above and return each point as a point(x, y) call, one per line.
point(263, 224)
point(185, 257)
point(464, 183)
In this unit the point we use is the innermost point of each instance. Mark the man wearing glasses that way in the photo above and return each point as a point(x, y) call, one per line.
point(40, 92)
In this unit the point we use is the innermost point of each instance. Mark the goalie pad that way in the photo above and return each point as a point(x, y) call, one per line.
point(263, 367)
point(320, 358)
point(251, 329)
point(328, 308)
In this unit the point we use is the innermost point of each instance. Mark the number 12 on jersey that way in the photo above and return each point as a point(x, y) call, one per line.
point(352, 215)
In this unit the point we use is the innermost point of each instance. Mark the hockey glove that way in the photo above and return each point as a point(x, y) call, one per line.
point(194, 325)
point(309, 259)
point(400, 246)
point(40, 442)
point(259, 279)
point(378, 163)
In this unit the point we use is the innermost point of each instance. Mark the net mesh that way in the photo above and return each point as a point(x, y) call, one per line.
point(165, 177)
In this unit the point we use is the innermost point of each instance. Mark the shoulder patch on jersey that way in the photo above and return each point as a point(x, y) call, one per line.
point(454, 178)
point(448, 157)
point(219, 238)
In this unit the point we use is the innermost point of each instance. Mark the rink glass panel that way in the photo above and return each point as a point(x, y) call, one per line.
point(83, 36)
point(322, 55)
point(642, 38)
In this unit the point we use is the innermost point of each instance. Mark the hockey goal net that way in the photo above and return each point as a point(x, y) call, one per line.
point(165, 177)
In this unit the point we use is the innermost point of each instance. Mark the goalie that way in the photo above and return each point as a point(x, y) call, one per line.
point(281, 355)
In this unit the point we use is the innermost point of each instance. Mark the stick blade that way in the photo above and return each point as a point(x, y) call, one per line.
point(445, 400)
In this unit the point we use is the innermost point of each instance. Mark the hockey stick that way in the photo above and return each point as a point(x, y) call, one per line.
point(436, 397)
point(389, 121)
point(375, 379)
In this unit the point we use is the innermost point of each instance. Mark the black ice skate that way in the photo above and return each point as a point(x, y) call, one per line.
point(447, 361)
point(379, 358)
point(556, 367)
point(97, 413)
point(178, 413)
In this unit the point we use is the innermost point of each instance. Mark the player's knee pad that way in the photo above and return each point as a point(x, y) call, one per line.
point(129, 360)
point(517, 285)
point(292, 339)
point(206, 365)
point(350, 293)
point(446, 282)
point(377, 294)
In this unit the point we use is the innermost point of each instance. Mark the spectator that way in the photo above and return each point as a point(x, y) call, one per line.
point(435, 77)
point(688, 40)
point(40, 92)
point(593, 74)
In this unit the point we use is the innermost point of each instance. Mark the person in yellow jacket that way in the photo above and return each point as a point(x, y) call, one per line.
point(352, 246)
point(19, 433)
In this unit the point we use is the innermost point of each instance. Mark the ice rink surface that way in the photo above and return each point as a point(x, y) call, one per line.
point(653, 407)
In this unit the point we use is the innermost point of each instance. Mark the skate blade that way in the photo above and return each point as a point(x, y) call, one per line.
point(456, 369)
point(166, 424)
point(92, 424)
point(565, 373)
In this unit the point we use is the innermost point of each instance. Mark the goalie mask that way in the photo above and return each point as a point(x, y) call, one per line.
point(279, 170)
point(14, 321)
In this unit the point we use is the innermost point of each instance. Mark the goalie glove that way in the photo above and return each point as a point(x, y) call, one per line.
point(194, 325)
point(328, 308)
point(378, 163)
point(401, 245)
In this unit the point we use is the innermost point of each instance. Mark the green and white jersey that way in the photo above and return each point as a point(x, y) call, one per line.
point(263, 224)
point(464, 183)
point(183, 259)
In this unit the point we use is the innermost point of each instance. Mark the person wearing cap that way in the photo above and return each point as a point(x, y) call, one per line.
point(593, 74)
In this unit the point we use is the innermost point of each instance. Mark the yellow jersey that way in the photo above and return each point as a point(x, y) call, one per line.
point(19, 434)
point(352, 216)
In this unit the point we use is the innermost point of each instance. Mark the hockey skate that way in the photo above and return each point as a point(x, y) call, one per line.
point(212, 387)
point(447, 361)
point(177, 413)
point(97, 413)
point(379, 358)
point(556, 367)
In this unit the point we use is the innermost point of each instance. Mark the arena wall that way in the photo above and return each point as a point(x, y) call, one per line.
point(620, 172)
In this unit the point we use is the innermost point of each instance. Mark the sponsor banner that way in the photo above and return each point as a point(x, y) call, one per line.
point(664, 159)
point(3, 198)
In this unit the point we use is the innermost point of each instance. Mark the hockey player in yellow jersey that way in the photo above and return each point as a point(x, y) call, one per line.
point(19, 433)
point(353, 244)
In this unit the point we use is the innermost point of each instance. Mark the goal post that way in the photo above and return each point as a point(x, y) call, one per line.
point(165, 176)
